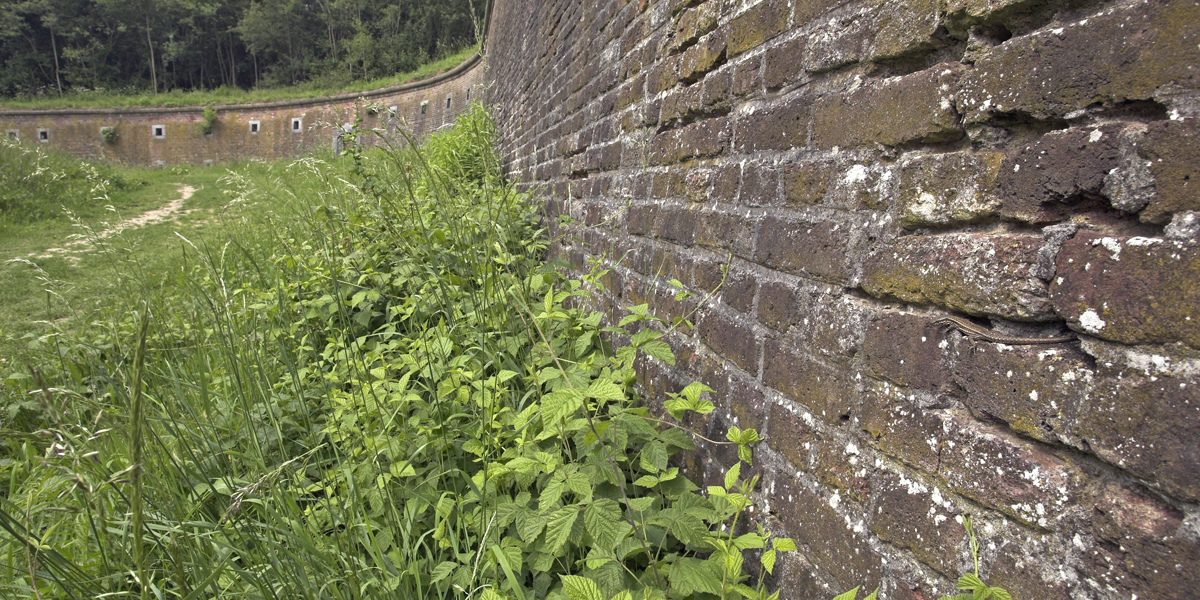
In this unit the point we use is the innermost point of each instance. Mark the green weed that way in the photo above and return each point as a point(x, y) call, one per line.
point(378, 388)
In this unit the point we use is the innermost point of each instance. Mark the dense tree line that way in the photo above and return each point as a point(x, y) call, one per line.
point(52, 46)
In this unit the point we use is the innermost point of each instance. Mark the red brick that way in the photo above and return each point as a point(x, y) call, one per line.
point(1130, 290)
point(913, 108)
point(814, 249)
point(1125, 53)
point(824, 391)
point(973, 273)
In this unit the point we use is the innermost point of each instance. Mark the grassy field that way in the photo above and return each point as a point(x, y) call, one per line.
point(224, 95)
point(56, 273)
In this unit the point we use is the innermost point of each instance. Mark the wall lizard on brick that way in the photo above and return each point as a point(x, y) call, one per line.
point(976, 333)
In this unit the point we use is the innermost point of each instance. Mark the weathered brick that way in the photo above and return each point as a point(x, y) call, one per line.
point(807, 10)
point(746, 78)
point(1039, 391)
point(758, 24)
point(901, 429)
point(747, 403)
point(730, 337)
point(780, 127)
point(736, 288)
point(782, 64)
point(833, 322)
point(1144, 416)
point(822, 390)
point(912, 108)
point(1039, 182)
point(701, 139)
point(825, 538)
point(694, 23)
point(1143, 551)
point(1126, 53)
point(837, 43)
point(805, 182)
point(760, 184)
point(948, 189)
point(728, 231)
point(972, 273)
point(777, 305)
point(706, 55)
point(714, 92)
point(913, 515)
point(1132, 290)
point(815, 249)
point(1173, 149)
point(1010, 475)
point(904, 349)
point(904, 28)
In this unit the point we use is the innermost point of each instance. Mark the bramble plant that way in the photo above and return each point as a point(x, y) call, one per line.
point(108, 134)
point(391, 396)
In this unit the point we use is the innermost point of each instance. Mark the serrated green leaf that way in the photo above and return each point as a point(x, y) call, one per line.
point(641, 504)
point(441, 571)
point(768, 561)
point(783, 544)
point(646, 481)
point(731, 476)
point(688, 575)
point(558, 527)
point(602, 519)
point(972, 582)
point(625, 595)
point(605, 389)
point(580, 588)
point(660, 350)
point(490, 594)
point(552, 492)
point(747, 541)
point(850, 595)
point(559, 404)
point(1000, 593)
point(654, 457)
point(529, 525)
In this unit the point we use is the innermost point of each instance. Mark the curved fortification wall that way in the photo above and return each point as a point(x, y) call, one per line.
point(866, 168)
point(270, 130)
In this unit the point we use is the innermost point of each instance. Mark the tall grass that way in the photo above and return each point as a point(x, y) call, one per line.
point(37, 184)
point(377, 390)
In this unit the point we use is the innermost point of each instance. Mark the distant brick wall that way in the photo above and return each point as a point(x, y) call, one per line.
point(78, 131)
point(868, 167)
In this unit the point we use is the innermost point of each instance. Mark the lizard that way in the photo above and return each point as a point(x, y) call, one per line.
point(975, 333)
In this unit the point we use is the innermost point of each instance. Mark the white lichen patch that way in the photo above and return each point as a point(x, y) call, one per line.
point(1091, 322)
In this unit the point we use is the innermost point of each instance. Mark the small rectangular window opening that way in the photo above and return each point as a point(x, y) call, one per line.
point(424, 105)
point(14, 134)
point(254, 127)
point(448, 101)
point(297, 125)
point(468, 94)
point(43, 135)
point(159, 131)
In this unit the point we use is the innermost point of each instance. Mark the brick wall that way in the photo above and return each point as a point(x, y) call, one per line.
point(78, 131)
point(865, 167)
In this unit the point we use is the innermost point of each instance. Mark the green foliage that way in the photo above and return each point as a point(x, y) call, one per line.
point(108, 134)
point(206, 125)
point(392, 395)
point(36, 184)
point(970, 583)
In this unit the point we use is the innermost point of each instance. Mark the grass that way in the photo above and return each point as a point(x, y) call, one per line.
point(226, 95)
point(356, 378)
point(66, 288)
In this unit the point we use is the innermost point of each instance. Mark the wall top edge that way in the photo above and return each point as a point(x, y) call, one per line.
point(462, 67)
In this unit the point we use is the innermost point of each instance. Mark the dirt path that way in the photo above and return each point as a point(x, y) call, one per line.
point(149, 217)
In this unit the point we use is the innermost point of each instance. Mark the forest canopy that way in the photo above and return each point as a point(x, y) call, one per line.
point(50, 47)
